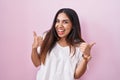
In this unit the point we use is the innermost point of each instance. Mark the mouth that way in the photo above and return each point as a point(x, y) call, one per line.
point(60, 31)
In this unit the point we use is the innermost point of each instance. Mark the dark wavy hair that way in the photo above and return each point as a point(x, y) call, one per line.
point(51, 37)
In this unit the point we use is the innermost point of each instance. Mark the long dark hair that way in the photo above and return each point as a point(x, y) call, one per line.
point(51, 37)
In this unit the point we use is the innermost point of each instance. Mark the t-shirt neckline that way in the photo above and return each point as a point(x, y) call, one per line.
point(61, 46)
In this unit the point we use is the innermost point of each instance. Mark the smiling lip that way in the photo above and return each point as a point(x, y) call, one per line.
point(61, 31)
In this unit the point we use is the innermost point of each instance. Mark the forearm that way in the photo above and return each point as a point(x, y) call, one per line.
point(82, 65)
point(80, 68)
point(35, 57)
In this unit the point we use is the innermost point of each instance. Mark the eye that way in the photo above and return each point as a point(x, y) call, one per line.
point(57, 21)
point(65, 22)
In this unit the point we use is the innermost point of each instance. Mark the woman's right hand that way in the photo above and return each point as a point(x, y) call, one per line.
point(37, 40)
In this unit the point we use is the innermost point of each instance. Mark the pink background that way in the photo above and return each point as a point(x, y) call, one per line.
point(100, 22)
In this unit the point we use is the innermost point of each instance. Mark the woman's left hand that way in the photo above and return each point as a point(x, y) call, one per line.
point(86, 48)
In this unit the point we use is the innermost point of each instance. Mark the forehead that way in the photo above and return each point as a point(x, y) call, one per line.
point(62, 16)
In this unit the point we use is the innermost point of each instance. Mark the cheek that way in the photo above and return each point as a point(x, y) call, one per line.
point(55, 26)
point(69, 28)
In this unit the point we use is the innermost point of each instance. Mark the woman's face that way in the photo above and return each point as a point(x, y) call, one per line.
point(63, 25)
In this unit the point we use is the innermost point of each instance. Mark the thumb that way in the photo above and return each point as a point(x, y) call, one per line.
point(34, 33)
point(40, 38)
point(93, 43)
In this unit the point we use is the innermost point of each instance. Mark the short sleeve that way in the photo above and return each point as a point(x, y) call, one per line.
point(80, 56)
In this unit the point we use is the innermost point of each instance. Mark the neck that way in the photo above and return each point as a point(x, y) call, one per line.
point(63, 42)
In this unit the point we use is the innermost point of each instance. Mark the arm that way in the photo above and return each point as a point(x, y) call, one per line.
point(34, 54)
point(81, 68)
point(35, 57)
point(82, 65)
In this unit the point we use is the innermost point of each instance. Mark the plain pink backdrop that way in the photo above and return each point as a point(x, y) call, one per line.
point(100, 23)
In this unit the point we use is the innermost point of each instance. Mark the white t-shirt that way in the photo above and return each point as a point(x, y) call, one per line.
point(59, 65)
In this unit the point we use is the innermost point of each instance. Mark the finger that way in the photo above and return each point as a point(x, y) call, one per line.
point(89, 58)
point(92, 44)
point(83, 44)
point(40, 38)
point(34, 33)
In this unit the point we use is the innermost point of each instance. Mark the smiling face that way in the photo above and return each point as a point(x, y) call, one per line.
point(63, 25)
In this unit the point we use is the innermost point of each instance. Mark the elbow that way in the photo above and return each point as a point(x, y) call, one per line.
point(36, 65)
point(35, 62)
point(77, 76)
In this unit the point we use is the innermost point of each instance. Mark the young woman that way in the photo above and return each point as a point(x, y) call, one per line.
point(64, 55)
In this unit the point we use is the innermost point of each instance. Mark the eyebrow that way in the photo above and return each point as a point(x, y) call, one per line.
point(63, 19)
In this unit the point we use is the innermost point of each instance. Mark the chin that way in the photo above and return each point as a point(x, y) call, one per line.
point(61, 36)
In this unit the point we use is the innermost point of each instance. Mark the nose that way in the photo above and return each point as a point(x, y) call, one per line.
point(59, 24)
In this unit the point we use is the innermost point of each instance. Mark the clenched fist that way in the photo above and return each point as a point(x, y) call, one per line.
point(85, 49)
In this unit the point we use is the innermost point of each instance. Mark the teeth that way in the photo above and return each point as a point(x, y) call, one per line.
point(60, 30)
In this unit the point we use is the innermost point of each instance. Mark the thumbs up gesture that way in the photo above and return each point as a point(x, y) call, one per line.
point(85, 49)
point(37, 40)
